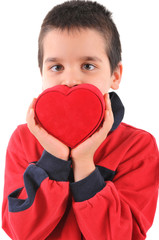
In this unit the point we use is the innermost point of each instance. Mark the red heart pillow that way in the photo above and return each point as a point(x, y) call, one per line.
point(70, 114)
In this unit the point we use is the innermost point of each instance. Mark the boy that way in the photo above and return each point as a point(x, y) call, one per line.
point(111, 189)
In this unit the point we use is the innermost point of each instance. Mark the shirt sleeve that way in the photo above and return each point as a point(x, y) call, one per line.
point(35, 195)
point(122, 207)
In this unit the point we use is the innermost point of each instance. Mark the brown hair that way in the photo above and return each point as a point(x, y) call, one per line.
point(78, 14)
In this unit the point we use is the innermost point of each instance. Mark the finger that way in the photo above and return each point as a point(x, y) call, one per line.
point(30, 119)
point(107, 101)
point(109, 119)
point(44, 138)
point(33, 102)
point(35, 128)
point(31, 105)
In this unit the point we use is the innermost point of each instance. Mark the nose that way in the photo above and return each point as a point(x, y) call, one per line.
point(71, 78)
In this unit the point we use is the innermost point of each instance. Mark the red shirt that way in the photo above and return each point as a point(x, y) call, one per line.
point(117, 201)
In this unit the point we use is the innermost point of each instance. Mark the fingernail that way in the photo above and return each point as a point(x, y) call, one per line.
point(31, 111)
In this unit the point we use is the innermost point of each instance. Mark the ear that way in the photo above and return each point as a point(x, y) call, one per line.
point(116, 76)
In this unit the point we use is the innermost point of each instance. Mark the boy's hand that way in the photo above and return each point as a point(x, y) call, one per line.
point(48, 142)
point(82, 155)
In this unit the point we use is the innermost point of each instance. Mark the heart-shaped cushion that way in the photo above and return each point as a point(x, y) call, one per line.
point(70, 114)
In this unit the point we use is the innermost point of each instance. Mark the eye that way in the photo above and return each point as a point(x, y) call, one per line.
point(56, 68)
point(89, 66)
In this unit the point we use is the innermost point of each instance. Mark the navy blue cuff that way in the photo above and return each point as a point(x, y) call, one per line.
point(33, 177)
point(56, 168)
point(87, 187)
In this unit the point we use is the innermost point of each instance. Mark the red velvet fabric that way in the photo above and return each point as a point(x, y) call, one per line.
point(70, 114)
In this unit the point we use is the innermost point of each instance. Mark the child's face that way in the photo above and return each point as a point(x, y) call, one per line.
point(77, 57)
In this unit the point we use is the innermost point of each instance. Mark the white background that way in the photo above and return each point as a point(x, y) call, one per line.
point(20, 81)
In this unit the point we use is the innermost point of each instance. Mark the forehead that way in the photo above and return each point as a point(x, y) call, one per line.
point(79, 41)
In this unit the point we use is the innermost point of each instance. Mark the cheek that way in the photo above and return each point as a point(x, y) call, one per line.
point(104, 81)
point(47, 81)
point(103, 86)
point(47, 84)
point(104, 89)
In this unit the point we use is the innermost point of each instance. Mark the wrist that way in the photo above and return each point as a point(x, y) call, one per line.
point(82, 169)
point(56, 168)
point(59, 154)
point(62, 156)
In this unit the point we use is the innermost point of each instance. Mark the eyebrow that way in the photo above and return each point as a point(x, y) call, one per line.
point(85, 58)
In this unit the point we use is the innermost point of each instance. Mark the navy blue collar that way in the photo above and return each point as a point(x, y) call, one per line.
point(117, 108)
